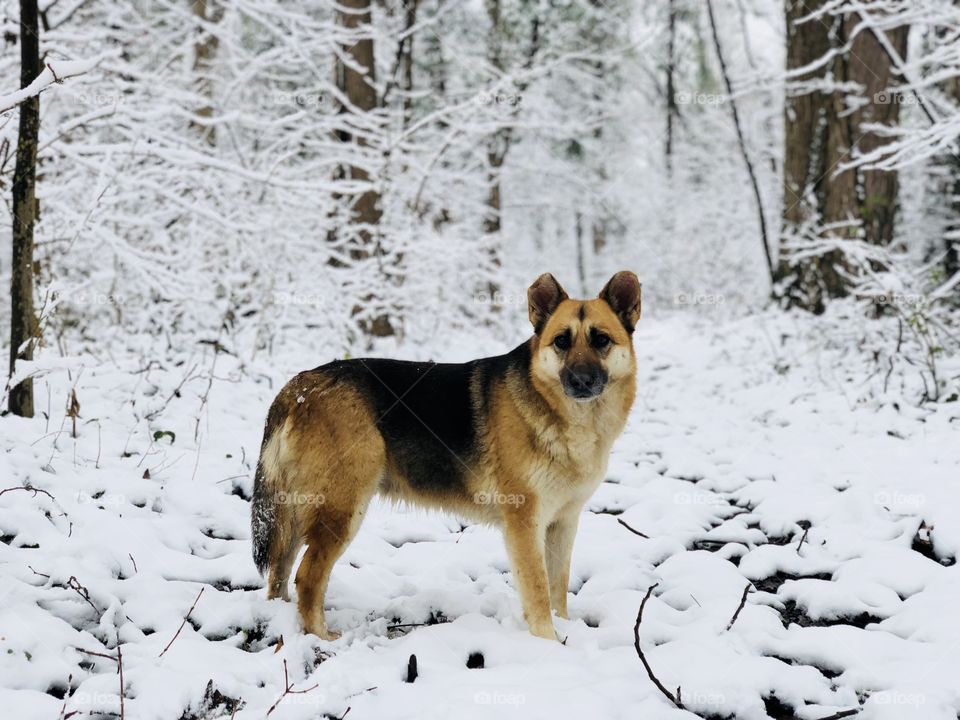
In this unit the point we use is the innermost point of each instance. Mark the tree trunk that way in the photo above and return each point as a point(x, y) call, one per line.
point(357, 84)
point(821, 134)
point(951, 192)
point(356, 80)
point(204, 50)
point(806, 129)
point(671, 89)
point(24, 328)
point(870, 66)
point(410, 20)
point(497, 148)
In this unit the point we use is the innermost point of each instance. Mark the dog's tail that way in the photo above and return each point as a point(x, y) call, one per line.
point(264, 527)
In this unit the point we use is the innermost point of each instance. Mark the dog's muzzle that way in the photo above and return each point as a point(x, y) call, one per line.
point(583, 382)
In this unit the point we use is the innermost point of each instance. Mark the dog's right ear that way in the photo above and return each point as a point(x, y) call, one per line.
point(542, 299)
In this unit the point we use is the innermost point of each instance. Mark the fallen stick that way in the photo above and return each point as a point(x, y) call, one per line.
point(802, 538)
point(288, 690)
point(633, 530)
point(185, 618)
point(636, 644)
point(743, 601)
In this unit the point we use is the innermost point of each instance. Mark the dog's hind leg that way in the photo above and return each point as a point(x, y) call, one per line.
point(282, 555)
point(327, 538)
point(336, 460)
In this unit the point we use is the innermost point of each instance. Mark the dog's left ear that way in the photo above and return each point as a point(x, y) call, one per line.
point(543, 297)
point(622, 294)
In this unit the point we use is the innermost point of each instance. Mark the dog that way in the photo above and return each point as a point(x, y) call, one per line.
point(519, 440)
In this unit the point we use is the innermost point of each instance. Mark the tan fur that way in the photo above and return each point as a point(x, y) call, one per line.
point(328, 460)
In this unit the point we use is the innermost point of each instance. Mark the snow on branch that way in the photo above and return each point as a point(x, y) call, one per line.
point(55, 71)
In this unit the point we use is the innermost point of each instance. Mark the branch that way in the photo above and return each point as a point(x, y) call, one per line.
point(288, 690)
point(842, 714)
point(118, 659)
point(32, 489)
point(636, 643)
point(185, 618)
point(633, 530)
point(54, 72)
point(743, 601)
point(741, 141)
point(802, 538)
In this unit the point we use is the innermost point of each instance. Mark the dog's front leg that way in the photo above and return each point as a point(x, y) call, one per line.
point(524, 537)
point(559, 547)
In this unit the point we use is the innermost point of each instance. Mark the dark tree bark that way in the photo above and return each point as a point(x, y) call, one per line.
point(24, 328)
point(672, 111)
point(869, 66)
point(356, 80)
point(204, 50)
point(951, 192)
point(822, 134)
point(358, 85)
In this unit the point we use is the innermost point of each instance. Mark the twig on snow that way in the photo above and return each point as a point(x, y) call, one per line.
point(185, 618)
point(288, 690)
point(633, 530)
point(118, 659)
point(32, 489)
point(120, 670)
point(675, 699)
point(842, 714)
point(80, 590)
point(802, 538)
point(743, 601)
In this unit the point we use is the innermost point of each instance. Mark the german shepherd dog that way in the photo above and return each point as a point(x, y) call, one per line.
point(518, 440)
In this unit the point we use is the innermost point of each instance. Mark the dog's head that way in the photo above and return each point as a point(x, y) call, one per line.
point(584, 346)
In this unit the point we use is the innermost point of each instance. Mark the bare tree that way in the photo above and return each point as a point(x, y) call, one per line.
point(207, 12)
point(356, 77)
point(24, 328)
point(840, 79)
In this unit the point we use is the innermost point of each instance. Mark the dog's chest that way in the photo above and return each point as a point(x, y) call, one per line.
point(574, 455)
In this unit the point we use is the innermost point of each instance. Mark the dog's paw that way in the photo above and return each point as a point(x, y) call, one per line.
point(545, 631)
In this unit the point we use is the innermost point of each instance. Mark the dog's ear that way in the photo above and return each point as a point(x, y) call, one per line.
point(622, 294)
point(542, 299)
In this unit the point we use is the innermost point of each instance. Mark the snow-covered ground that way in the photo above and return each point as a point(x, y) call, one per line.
point(752, 459)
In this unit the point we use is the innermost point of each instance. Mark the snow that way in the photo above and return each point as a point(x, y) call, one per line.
point(55, 71)
point(747, 462)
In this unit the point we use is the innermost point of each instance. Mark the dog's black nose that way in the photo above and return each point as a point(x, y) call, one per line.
point(583, 382)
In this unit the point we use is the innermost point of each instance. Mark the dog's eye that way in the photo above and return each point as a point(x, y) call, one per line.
point(562, 341)
point(599, 340)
